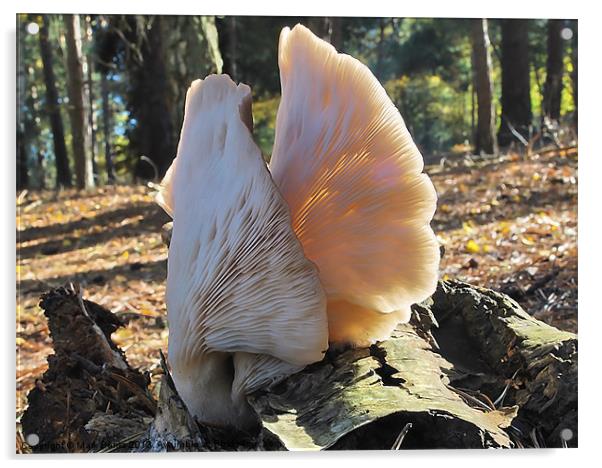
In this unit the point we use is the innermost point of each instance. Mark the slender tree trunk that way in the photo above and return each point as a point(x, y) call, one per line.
point(554, 70)
point(22, 156)
point(516, 87)
point(32, 130)
point(329, 28)
point(31, 133)
point(106, 123)
point(336, 32)
point(472, 109)
point(481, 64)
point(89, 66)
point(574, 53)
point(77, 112)
point(319, 26)
point(211, 35)
point(22, 117)
point(380, 49)
point(63, 174)
point(232, 47)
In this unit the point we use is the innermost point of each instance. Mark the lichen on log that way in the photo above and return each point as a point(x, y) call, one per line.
point(437, 372)
point(402, 376)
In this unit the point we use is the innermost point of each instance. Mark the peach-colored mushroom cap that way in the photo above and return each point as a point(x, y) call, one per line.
point(352, 176)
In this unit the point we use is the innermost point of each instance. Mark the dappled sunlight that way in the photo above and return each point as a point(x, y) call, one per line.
point(512, 226)
point(108, 240)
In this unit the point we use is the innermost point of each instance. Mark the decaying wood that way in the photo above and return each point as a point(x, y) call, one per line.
point(471, 369)
point(537, 361)
point(363, 398)
point(89, 398)
point(489, 375)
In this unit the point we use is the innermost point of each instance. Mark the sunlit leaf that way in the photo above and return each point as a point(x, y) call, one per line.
point(472, 247)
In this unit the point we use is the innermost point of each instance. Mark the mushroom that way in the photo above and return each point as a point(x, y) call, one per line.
point(245, 306)
point(352, 176)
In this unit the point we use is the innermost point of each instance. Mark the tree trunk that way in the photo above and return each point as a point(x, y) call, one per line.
point(516, 87)
point(22, 117)
point(232, 48)
point(150, 103)
point(554, 70)
point(63, 174)
point(481, 64)
point(380, 49)
point(106, 125)
point(22, 157)
point(211, 36)
point(574, 54)
point(336, 32)
point(329, 28)
point(75, 83)
point(32, 131)
point(89, 67)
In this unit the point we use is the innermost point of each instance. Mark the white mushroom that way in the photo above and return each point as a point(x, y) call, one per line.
point(352, 176)
point(245, 306)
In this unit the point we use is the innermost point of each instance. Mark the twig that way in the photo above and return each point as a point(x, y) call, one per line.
point(122, 442)
point(401, 436)
point(469, 397)
point(533, 435)
point(500, 399)
point(135, 389)
point(150, 162)
point(22, 196)
point(557, 150)
point(515, 132)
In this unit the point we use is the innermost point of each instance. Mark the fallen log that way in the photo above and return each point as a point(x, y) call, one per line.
point(470, 370)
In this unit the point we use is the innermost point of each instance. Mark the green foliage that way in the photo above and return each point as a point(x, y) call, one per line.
point(437, 47)
point(425, 64)
point(264, 124)
point(434, 111)
point(567, 102)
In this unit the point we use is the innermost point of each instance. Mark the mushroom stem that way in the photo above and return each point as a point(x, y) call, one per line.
point(206, 386)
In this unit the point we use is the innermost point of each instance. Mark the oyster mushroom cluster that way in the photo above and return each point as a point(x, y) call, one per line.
point(330, 244)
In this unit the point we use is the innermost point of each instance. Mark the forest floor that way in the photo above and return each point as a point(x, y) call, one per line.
point(508, 224)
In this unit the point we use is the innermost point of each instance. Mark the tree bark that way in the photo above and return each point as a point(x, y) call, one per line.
point(22, 157)
point(232, 47)
point(80, 131)
point(380, 49)
point(554, 70)
point(485, 140)
point(106, 125)
point(574, 74)
point(336, 32)
point(329, 28)
point(22, 117)
point(149, 101)
point(89, 67)
point(63, 173)
point(516, 86)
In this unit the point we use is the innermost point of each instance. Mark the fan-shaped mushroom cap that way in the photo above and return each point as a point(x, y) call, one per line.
point(245, 305)
point(352, 176)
